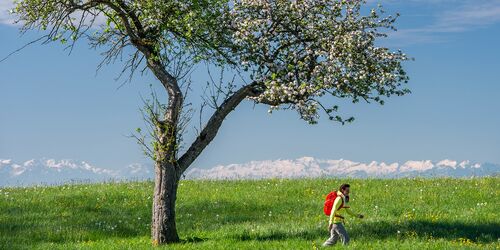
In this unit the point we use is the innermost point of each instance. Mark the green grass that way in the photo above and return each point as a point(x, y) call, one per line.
point(267, 214)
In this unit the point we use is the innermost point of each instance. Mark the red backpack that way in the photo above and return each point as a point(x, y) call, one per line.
point(330, 198)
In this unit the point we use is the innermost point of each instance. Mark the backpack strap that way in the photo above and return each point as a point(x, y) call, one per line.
point(342, 204)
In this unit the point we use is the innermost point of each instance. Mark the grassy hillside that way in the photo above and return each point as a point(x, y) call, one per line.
point(267, 214)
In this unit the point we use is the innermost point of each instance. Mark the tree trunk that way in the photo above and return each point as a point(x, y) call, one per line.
point(163, 228)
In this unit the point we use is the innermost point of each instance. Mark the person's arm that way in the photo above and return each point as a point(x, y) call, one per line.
point(351, 213)
point(335, 207)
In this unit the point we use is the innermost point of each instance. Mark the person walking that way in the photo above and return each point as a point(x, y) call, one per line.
point(336, 222)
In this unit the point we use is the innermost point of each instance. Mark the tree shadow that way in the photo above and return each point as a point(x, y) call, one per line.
point(66, 221)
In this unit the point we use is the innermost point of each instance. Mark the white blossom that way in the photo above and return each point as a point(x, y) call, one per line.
point(330, 50)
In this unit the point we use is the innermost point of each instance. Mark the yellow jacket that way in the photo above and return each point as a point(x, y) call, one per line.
point(337, 215)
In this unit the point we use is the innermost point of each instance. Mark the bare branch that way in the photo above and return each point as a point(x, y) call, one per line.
point(210, 130)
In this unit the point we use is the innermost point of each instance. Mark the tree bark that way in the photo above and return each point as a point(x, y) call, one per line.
point(167, 172)
point(210, 130)
point(163, 227)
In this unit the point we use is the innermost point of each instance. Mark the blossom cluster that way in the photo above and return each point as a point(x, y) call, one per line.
point(304, 49)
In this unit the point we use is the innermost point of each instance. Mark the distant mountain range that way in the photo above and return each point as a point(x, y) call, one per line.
point(50, 171)
point(311, 167)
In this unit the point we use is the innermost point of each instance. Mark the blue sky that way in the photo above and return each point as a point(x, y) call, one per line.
point(54, 105)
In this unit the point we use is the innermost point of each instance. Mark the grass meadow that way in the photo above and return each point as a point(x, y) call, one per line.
point(264, 214)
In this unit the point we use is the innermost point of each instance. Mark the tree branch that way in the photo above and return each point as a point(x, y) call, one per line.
point(214, 123)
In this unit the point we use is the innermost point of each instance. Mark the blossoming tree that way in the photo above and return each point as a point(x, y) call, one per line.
point(296, 54)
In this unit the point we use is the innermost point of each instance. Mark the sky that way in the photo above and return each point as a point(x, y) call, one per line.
point(55, 105)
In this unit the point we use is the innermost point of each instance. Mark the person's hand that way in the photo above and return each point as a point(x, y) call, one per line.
point(330, 227)
point(361, 216)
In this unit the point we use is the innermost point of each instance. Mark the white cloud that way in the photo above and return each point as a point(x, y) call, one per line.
point(5, 16)
point(466, 16)
point(473, 14)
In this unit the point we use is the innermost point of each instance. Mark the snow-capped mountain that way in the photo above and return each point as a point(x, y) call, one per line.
point(310, 167)
point(50, 172)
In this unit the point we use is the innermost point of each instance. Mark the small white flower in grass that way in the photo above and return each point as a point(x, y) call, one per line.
point(399, 232)
point(376, 207)
point(413, 210)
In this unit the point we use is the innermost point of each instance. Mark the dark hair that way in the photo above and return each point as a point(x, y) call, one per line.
point(344, 186)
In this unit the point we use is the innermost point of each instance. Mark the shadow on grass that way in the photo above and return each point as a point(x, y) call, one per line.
point(193, 239)
point(73, 220)
point(450, 230)
point(482, 233)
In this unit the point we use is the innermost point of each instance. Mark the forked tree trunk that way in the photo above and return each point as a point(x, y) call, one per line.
point(169, 168)
point(163, 228)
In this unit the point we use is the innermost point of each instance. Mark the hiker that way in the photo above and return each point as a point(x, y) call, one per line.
point(335, 224)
